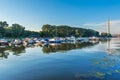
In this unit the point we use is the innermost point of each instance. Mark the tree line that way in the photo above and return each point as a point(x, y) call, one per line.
point(17, 31)
point(64, 30)
point(14, 31)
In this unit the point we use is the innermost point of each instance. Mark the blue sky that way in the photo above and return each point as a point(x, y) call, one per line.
point(80, 13)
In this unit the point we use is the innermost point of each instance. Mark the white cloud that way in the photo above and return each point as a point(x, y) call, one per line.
point(102, 27)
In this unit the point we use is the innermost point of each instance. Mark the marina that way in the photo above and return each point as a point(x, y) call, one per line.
point(71, 60)
point(46, 41)
point(59, 40)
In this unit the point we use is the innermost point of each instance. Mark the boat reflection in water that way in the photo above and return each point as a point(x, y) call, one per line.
point(51, 48)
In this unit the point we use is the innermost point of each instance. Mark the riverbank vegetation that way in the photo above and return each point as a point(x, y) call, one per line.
point(14, 31)
point(64, 30)
point(17, 31)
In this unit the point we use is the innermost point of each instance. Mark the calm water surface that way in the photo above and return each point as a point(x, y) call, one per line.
point(81, 61)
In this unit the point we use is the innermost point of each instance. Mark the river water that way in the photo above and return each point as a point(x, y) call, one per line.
point(67, 61)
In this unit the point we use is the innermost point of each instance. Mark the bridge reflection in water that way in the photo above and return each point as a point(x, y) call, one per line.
point(113, 46)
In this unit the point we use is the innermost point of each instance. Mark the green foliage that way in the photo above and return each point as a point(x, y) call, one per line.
point(14, 31)
point(63, 31)
point(3, 25)
point(103, 34)
point(17, 31)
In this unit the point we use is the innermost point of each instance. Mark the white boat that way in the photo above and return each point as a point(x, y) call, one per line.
point(42, 41)
point(25, 43)
point(31, 41)
point(82, 39)
point(3, 42)
point(17, 42)
point(71, 39)
point(55, 40)
point(63, 40)
point(93, 38)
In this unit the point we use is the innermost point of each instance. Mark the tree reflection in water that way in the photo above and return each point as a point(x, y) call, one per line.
point(66, 46)
point(51, 48)
point(4, 52)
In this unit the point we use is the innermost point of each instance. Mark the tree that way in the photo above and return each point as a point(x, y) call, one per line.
point(103, 34)
point(3, 25)
point(17, 30)
point(63, 31)
point(8, 32)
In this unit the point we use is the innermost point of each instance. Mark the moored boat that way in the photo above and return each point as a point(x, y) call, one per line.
point(3, 42)
point(55, 40)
